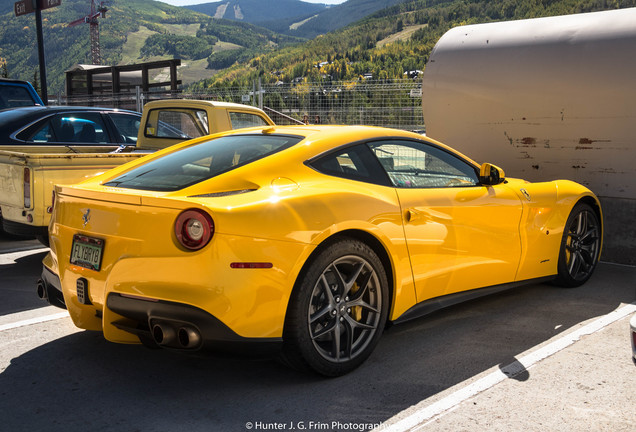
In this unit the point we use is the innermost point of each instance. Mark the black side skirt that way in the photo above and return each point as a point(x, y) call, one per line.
point(429, 306)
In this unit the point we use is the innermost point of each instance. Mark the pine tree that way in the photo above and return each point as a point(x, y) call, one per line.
point(4, 72)
point(36, 82)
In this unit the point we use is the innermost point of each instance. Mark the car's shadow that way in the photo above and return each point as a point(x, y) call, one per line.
point(81, 381)
point(18, 281)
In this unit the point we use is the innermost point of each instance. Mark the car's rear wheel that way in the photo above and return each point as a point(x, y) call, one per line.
point(338, 310)
point(580, 247)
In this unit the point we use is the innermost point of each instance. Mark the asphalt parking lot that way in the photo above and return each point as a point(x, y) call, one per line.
point(533, 359)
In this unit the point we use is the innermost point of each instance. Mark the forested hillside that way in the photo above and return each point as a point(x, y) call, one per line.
point(132, 31)
point(382, 46)
point(392, 41)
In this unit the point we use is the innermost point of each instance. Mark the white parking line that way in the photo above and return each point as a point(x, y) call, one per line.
point(412, 421)
point(30, 321)
point(10, 257)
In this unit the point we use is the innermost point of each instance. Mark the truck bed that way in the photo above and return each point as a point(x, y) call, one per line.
point(29, 173)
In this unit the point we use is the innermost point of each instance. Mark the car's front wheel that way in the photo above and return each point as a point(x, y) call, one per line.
point(338, 310)
point(580, 247)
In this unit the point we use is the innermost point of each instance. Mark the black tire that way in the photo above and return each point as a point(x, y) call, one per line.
point(580, 247)
point(337, 311)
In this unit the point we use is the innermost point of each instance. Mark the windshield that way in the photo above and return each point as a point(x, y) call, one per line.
point(202, 161)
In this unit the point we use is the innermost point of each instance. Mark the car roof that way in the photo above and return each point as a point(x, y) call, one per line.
point(321, 139)
point(30, 113)
point(58, 108)
point(11, 119)
point(327, 137)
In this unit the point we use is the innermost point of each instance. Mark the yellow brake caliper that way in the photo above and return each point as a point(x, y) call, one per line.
point(356, 311)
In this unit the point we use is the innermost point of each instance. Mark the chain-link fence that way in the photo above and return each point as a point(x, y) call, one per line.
point(395, 104)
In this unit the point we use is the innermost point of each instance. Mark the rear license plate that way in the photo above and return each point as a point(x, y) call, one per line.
point(87, 252)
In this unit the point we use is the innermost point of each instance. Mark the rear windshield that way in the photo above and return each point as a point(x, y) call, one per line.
point(15, 96)
point(202, 161)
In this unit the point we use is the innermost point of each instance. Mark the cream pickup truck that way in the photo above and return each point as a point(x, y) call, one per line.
point(29, 172)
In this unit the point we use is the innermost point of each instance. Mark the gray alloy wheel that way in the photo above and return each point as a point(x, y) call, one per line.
point(345, 308)
point(338, 311)
point(580, 247)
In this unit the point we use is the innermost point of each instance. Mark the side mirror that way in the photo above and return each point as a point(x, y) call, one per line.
point(490, 175)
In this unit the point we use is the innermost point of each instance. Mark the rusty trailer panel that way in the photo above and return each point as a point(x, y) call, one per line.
point(543, 98)
point(546, 98)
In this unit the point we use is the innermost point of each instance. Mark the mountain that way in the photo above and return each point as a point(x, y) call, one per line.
point(6, 6)
point(333, 18)
point(389, 43)
point(132, 31)
point(294, 17)
point(383, 45)
point(258, 11)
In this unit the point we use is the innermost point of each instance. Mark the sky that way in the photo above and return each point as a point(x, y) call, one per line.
point(191, 2)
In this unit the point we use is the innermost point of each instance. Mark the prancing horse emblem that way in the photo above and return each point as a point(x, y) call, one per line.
point(526, 194)
point(86, 217)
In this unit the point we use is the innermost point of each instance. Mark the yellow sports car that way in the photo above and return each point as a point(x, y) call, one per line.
point(304, 239)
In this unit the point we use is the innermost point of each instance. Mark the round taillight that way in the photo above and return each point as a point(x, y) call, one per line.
point(194, 229)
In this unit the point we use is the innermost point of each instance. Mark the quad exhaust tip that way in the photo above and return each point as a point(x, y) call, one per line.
point(163, 334)
point(41, 290)
point(181, 337)
point(189, 337)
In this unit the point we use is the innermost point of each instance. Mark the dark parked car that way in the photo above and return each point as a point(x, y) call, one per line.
point(65, 125)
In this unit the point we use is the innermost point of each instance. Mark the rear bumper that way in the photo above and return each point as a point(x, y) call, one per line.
point(25, 230)
point(141, 316)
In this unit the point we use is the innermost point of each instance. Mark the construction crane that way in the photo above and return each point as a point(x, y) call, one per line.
point(91, 19)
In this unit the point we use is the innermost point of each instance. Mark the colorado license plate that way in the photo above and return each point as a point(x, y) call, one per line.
point(87, 252)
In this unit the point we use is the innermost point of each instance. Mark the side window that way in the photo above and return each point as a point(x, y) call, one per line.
point(180, 123)
point(43, 133)
point(410, 164)
point(79, 128)
point(127, 126)
point(14, 96)
point(244, 120)
point(68, 128)
point(355, 163)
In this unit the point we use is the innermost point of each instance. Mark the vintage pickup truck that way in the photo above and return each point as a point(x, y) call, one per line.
point(29, 172)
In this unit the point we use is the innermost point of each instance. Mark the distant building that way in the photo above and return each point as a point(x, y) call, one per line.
point(82, 80)
point(413, 73)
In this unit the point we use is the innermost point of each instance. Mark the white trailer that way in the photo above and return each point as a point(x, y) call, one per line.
point(545, 98)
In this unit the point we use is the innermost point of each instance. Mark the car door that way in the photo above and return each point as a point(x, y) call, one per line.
point(460, 235)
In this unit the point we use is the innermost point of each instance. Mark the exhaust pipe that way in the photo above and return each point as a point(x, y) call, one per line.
point(189, 337)
point(163, 334)
point(177, 335)
point(41, 290)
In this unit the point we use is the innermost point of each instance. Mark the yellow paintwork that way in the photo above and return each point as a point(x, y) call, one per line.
point(51, 165)
point(459, 233)
point(439, 241)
